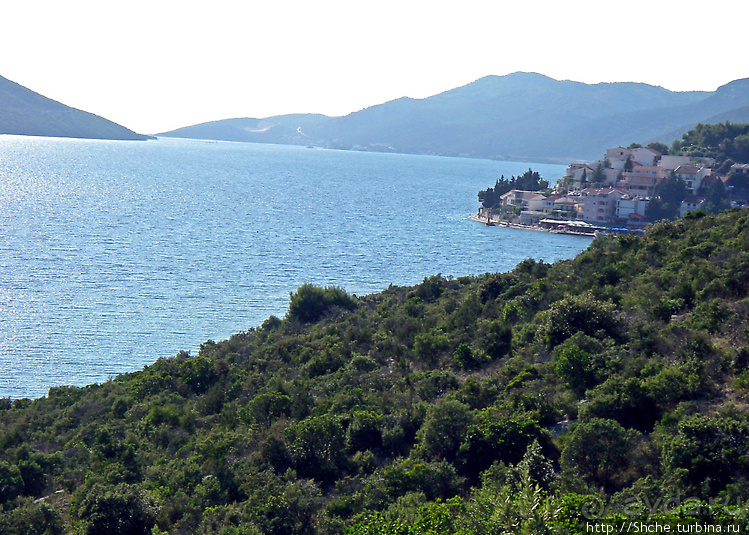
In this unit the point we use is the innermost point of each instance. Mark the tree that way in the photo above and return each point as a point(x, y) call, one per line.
point(599, 175)
point(364, 432)
point(116, 509)
point(623, 400)
point(707, 451)
point(722, 140)
point(529, 181)
point(668, 195)
point(497, 339)
point(659, 147)
point(579, 313)
point(740, 150)
point(599, 450)
point(629, 165)
point(492, 439)
point(310, 302)
point(716, 198)
point(33, 518)
point(11, 482)
point(575, 366)
point(444, 428)
point(317, 447)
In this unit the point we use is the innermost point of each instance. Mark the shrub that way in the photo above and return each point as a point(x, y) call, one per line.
point(707, 451)
point(444, 429)
point(310, 303)
point(465, 358)
point(316, 445)
point(497, 338)
point(575, 366)
point(623, 400)
point(492, 439)
point(599, 450)
point(364, 431)
point(11, 482)
point(116, 509)
point(430, 344)
point(270, 406)
point(579, 313)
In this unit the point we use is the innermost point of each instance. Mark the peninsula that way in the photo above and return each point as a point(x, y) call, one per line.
point(24, 112)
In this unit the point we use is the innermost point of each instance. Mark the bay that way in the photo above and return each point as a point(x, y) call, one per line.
point(114, 254)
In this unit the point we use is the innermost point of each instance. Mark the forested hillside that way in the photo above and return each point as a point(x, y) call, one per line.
point(606, 388)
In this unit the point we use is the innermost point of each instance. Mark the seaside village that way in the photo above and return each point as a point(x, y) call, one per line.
point(607, 196)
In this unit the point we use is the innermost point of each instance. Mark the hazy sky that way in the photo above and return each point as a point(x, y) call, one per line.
point(155, 65)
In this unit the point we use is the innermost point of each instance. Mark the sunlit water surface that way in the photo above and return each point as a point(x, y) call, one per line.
point(113, 254)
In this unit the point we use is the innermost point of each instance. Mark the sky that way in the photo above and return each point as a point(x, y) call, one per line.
point(157, 65)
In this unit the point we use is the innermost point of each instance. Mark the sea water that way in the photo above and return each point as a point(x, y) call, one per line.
point(114, 254)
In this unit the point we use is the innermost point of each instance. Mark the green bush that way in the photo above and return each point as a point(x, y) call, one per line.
point(496, 338)
point(580, 313)
point(11, 482)
point(707, 452)
point(317, 445)
point(575, 366)
point(623, 400)
point(122, 508)
point(444, 429)
point(495, 439)
point(599, 451)
point(310, 303)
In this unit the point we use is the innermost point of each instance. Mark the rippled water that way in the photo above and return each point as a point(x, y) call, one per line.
point(113, 254)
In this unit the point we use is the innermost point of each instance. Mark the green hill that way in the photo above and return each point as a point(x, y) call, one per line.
point(438, 408)
point(24, 112)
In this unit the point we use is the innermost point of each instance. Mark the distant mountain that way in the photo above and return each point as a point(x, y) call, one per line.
point(25, 112)
point(283, 129)
point(517, 116)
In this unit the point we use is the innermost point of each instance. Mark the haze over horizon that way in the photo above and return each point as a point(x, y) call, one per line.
point(153, 67)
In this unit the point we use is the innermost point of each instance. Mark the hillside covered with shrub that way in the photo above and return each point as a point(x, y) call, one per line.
point(532, 401)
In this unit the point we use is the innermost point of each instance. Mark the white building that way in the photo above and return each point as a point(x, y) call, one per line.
point(669, 163)
point(692, 176)
point(567, 207)
point(618, 154)
point(631, 208)
point(690, 204)
point(514, 197)
point(579, 172)
point(740, 168)
point(645, 156)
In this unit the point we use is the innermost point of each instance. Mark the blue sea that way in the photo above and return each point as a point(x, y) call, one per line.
point(114, 254)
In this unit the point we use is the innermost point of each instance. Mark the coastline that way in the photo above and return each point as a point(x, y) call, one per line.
point(506, 224)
